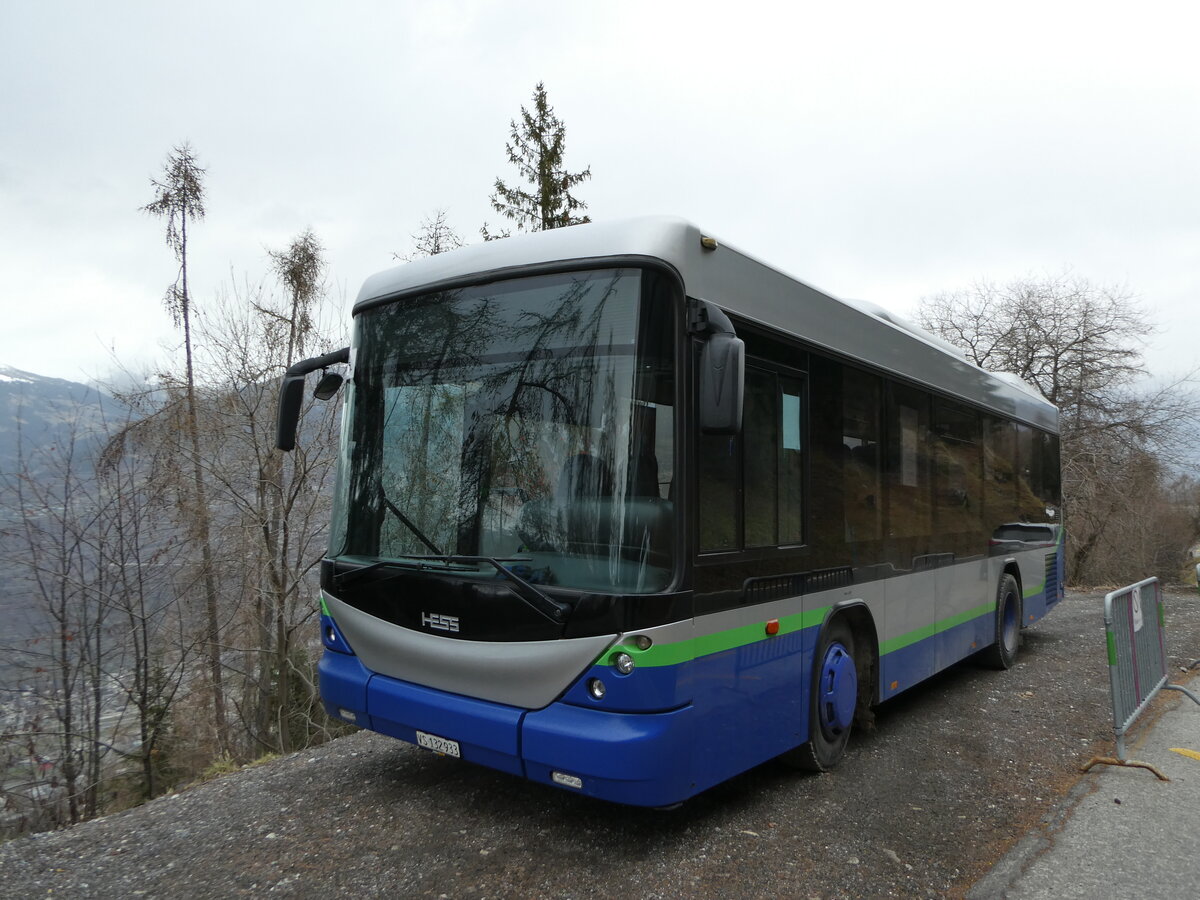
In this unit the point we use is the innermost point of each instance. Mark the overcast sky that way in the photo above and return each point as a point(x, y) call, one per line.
point(879, 151)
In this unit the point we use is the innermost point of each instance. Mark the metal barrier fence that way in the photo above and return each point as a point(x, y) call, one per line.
point(1137, 660)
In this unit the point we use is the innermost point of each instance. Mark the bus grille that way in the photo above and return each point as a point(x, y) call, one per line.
point(779, 587)
point(1051, 578)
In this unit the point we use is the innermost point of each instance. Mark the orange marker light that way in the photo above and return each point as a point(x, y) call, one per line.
point(773, 626)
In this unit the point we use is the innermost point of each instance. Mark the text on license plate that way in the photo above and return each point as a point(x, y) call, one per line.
point(438, 744)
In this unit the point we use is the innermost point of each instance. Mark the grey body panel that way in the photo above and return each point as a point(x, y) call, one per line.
point(741, 285)
point(900, 605)
point(528, 674)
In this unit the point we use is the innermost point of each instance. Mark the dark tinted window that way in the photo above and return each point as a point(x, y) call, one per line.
point(761, 428)
point(958, 468)
point(999, 472)
point(908, 478)
point(861, 454)
point(751, 487)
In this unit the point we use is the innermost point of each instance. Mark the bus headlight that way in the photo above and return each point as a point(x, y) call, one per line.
point(623, 663)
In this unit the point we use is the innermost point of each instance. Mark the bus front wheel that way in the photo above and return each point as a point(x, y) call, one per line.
point(833, 702)
point(1002, 652)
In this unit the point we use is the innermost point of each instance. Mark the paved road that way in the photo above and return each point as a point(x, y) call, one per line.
point(956, 773)
point(1121, 832)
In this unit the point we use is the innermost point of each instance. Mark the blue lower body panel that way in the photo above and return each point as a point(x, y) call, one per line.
point(638, 758)
point(643, 759)
point(487, 733)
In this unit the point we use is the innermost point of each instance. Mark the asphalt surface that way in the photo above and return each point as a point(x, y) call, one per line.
point(969, 786)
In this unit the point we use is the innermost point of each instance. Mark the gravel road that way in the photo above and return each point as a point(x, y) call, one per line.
point(955, 772)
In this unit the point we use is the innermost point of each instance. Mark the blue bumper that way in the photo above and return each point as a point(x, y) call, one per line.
point(642, 759)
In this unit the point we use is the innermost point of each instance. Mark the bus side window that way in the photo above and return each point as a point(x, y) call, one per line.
point(1051, 476)
point(958, 470)
point(791, 462)
point(999, 477)
point(751, 486)
point(717, 483)
point(862, 498)
point(1030, 507)
point(762, 447)
point(909, 513)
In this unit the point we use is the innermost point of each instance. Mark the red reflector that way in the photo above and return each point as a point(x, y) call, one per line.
point(773, 626)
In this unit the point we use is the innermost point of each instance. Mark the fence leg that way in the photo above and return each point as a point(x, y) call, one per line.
point(1127, 763)
point(1182, 689)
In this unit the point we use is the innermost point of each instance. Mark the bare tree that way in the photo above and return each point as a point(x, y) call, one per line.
point(284, 514)
point(1081, 345)
point(141, 552)
point(65, 661)
point(179, 198)
point(435, 236)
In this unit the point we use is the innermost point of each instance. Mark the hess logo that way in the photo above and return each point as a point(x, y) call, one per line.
point(439, 622)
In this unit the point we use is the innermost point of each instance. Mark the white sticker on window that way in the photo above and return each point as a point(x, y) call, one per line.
point(791, 422)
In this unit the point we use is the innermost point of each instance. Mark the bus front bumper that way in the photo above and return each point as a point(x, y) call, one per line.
point(642, 759)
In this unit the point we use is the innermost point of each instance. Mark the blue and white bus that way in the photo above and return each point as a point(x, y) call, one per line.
point(622, 509)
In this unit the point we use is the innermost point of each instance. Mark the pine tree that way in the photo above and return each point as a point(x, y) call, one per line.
point(536, 147)
point(179, 198)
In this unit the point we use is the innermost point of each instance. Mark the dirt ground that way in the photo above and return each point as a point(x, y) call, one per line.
point(955, 772)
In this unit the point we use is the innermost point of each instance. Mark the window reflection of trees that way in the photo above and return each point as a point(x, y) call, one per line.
point(474, 408)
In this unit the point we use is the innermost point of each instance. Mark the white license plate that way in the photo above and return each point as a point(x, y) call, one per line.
point(438, 744)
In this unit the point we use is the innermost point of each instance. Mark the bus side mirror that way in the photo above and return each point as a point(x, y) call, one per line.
point(722, 383)
point(328, 385)
point(291, 398)
point(291, 393)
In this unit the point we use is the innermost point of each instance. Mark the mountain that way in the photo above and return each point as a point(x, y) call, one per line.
point(37, 413)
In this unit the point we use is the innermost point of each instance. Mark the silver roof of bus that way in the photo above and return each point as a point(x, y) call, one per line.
point(740, 284)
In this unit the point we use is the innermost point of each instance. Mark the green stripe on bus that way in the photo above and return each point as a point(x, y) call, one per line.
point(324, 608)
point(731, 639)
point(928, 631)
point(685, 651)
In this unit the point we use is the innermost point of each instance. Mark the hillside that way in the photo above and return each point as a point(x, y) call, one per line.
point(39, 418)
point(38, 412)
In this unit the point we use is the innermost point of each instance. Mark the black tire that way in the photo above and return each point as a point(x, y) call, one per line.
point(1002, 653)
point(833, 703)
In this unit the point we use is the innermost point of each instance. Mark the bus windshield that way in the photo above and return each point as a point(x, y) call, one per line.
point(528, 421)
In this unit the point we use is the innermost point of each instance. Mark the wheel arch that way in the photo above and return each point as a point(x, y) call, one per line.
point(858, 618)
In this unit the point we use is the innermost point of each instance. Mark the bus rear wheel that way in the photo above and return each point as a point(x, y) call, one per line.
point(1002, 652)
point(833, 702)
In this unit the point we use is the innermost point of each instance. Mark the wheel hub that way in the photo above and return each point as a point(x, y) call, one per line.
point(838, 690)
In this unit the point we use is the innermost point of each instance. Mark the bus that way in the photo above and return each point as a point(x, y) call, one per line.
point(623, 510)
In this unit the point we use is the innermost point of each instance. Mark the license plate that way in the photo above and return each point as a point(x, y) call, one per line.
point(438, 744)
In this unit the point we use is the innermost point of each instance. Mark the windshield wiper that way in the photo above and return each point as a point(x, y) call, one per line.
point(552, 609)
point(408, 522)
